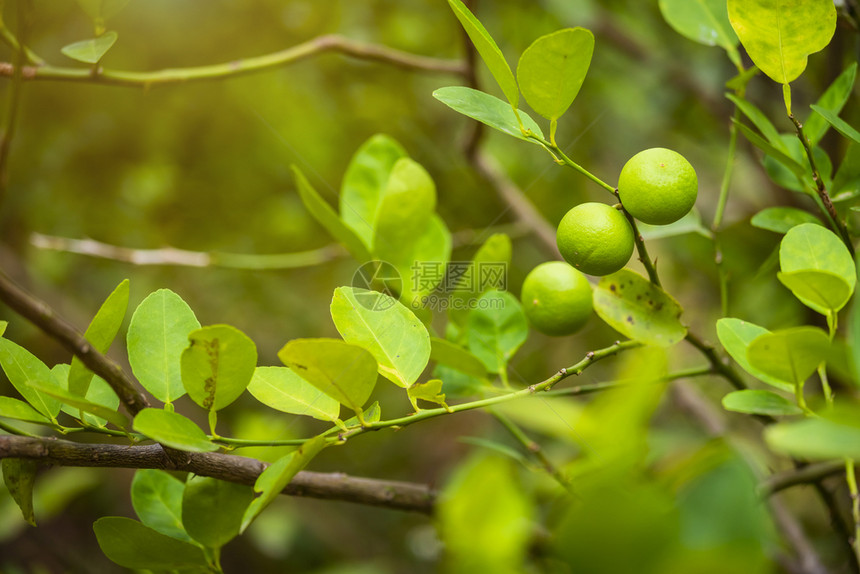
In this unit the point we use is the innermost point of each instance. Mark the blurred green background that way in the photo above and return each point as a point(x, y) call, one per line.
point(205, 166)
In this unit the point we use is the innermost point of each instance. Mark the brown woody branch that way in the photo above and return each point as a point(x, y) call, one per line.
point(233, 468)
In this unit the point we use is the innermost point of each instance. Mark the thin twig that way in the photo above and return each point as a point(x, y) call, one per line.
point(532, 447)
point(318, 45)
point(232, 468)
point(43, 316)
point(801, 475)
point(13, 103)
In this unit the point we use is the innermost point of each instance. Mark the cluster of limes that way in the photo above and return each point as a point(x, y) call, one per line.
point(656, 186)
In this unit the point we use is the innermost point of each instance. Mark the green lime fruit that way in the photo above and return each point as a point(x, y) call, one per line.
point(658, 186)
point(595, 238)
point(557, 298)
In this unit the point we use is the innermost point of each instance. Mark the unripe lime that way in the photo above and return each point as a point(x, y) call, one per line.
point(658, 186)
point(556, 298)
point(595, 238)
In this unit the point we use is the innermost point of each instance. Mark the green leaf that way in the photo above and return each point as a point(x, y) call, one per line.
point(430, 391)
point(372, 414)
point(156, 337)
point(20, 475)
point(853, 337)
point(497, 328)
point(760, 120)
point(21, 367)
point(283, 390)
point(99, 393)
point(212, 509)
point(326, 216)
point(773, 152)
point(779, 35)
point(454, 356)
point(552, 69)
point(345, 372)
point(157, 499)
point(702, 21)
point(783, 176)
point(756, 402)
point(814, 438)
point(847, 179)
point(64, 396)
point(100, 334)
point(487, 270)
point(736, 335)
point(810, 247)
point(278, 475)
point(781, 219)
point(789, 355)
point(821, 291)
point(838, 123)
point(488, 50)
point(218, 365)
point(173, 430)
point(3, 325)
point(425, 268)
point(638, 309)
point(92, 50)
point(488, 110)
point(20, 411)
point(133, 545)
point(393, 334)
point(364, 183)
point(833, 100)
point(404, 212)
point(690, 223)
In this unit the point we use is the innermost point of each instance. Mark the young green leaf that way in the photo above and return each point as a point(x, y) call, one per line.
point(156, 337)
point(92, 50)
point(173, 430)
point(326, 216)
point(157, 499)
point(64, 396)
point(345, 372)
point(702, 21)
point(364, 184)
point(757, 402)
point(736, 335)
point(814, 438)
point(21, 367)
point(100, 334)
point(272, 481)
point(212, 509)
point(638, 309)
point(133, 545)
point(821, 291)
point(773, 152)
point(430, 391)
point(488, 50)
point(853, 337)
point(488, 110)
point(99, 393)
point(454, 356)
point(552, 69)
point(496, 328)
point(833, 100)
point(690, 223)
point(810, 247)
point(20, 411)
point(19, 474)
point(425, 267)
point(487, 270)
point(838, 123)
point(218, 365)
point(781, 219)
point(782, 174)
point(760, 121)
point(846, 182)
point(282, 389)
point(393, 334)
point(3, 325)
point(779, 36)
point(789, 355)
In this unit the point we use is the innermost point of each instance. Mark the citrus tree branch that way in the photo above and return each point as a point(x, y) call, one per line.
point(43, 316)
point(321, 44)
point(232, 468)
point(808, 474)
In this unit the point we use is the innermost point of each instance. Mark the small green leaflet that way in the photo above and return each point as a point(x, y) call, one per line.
point(20, 475)
point(814, 438)
point(157, 335)
point(212, 509)
point(757, 402)
point(488, 110)
point(282, 389)
point(488, 270)
point(838, 123)
point(833, 100)
point(702, 21)
point(496, 329)
point(173, 430)
point(454, 356)
point(20, 411)
point(218, 365)
point(345, 372)
point(157, 499)
point(278, 475)
point(100, 334)
point(821, 291)
point(430, 391)
point(391, 332)
point(736, 335)
point(133, 545)
point(488, 50)
point(106, 413)
point(789, 355)
point(21, 367)
point(90, 51)
point(781, 219)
